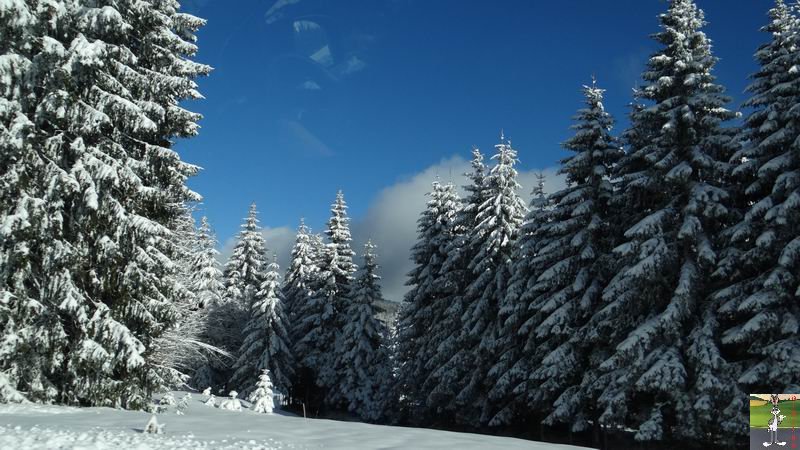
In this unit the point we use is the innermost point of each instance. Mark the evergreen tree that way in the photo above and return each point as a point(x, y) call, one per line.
point(511, 370)
point(539, 198)
point(266, 342)
point(205, 279)
point(758, 323)
point(424, 317)
point(315, 327)
point(300, 272)
point(558, 286)
point(653, 368)
point(243, 276)
point(442, 387)
point(331, 292)
point(303, 309)
point(361, 355)
point(262, 395)
point(185, 246)
point(88, 184)
point(497, 224)
point(338, 234)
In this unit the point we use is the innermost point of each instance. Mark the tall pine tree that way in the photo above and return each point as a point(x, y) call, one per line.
point(647, 373)
point(338, 234)
point(266, 342)
point(447, 372)
point(206, 277)
point(296, 284)
point(558, 286)
point(205, 281)
point(512, 364)
point(441, 385)
point(89, 182)
point(497, 222)
point(243, 276)
point(423, 319)
point(341, 269)
point(758, 315)
point(315, 329)
point(361, 353)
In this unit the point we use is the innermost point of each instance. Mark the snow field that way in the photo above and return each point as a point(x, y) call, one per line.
point(34, 427)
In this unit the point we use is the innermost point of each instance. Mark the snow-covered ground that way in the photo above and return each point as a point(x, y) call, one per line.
point(57, 427)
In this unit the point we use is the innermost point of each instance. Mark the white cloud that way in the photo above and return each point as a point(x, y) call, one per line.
point(274, 13)
point(391, 223)
point(304, 25)
point(391, 220)
point(352, 65)
point(310, 85)
point(323, 56)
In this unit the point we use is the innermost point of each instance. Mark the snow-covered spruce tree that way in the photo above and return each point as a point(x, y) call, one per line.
point(342, 269)
point(184, 240)
point(87, 193)
point(24, 232)
point(243, 276)
point(653, 368)
point(539, 198)
point(338, 234)
point(262, 396)
point(562, 270)
point(301, 269)
point(361, 354)
point(314, 328)
point(206, 277)
point(497, 223)
point(205, 281)
point(423, 317)
point(303, 313)
point(758, 321)
point(182, 346)
point(266, 342)
point(511, 370)
point(445, 372)
point(29, 355)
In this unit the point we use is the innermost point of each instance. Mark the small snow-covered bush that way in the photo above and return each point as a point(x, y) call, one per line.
point(212, 401)
point(8, 394)
point(183, 405)
point(261, 397)
point(167, 400)
point(153, 426)
point(232, 404)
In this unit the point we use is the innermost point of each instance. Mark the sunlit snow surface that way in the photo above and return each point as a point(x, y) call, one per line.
point(56, 427)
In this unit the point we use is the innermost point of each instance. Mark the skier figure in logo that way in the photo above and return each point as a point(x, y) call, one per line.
point(773, 423)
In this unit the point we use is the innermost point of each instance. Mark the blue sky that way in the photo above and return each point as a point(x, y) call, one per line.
point(376, 97)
